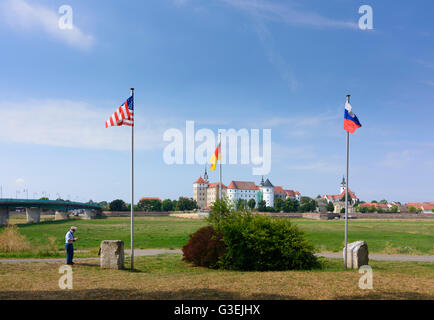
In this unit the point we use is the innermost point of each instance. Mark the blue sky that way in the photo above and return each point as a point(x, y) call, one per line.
point(279, 65)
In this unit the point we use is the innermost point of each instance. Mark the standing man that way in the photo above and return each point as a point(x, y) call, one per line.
point(69, 239)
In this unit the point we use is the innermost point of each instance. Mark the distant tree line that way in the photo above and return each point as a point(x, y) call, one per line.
point(149, 205)
point(305, 204)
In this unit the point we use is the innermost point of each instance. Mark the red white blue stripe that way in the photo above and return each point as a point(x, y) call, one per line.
point(124, 115)
point(351, 123)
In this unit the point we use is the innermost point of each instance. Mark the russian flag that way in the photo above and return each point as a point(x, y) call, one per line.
point(351, 123)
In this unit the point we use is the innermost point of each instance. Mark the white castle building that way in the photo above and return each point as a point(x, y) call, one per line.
point(206, 193)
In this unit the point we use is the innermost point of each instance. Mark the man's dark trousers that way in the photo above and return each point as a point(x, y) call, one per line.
point(69, 252)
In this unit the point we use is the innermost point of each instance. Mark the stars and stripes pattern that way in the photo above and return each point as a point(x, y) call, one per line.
point(124, 115)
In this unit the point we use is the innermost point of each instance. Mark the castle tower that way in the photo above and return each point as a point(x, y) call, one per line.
point(200, 189)
point(267, 190)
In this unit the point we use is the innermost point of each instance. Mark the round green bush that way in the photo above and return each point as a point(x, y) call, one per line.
point(260, 243)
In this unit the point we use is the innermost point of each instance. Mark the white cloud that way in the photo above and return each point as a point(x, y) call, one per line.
point(425, 63)
point(26, 16)
point(288, 14)
point(20, 181)
point(74, 124)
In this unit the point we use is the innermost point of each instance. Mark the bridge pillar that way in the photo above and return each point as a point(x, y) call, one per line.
point(61, 215)
point(4, 216)
point(33, 215)
point(89, 214)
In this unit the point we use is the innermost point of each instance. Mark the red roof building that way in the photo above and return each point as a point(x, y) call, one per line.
point(243, 185)
point(150, 198)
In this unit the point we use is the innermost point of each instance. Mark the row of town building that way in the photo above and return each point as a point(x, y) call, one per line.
point(206, 193)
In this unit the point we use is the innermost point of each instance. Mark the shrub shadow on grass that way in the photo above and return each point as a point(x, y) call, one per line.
point(189, 294)
point(119, 294)
point(388, 295)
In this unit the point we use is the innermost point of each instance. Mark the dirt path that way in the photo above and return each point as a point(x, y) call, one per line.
point(154, 252)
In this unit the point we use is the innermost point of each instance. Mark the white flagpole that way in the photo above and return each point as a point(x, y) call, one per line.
point(132, 188)
point(346, 195)
point(220, 167)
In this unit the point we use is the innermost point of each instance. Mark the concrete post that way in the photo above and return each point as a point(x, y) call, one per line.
point(61, 215)
point(33, 215)
point(4, 216)
point(89, 214)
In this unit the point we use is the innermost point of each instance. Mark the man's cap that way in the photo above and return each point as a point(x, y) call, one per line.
point(73, 228)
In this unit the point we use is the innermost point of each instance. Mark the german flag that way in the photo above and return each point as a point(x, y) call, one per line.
point(216, 156)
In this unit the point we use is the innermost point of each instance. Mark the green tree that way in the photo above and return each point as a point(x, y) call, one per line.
point(412, 209)
point(363, 209)
point(384, 202)
point(279, 204)
point(343, 210)
point(155, 205)
point(241, 205)
point(372, 209)
point(105, 206)
point(184, 204)
point(220, 211)
point(307, 204)
point(44, 198)
point(394, 209)
point(262, 206)
point(252, 204)
point(330, 207)
point(291, 205)
point(145, 205)
point(374, 201)
point(419, 210)
point(167, 205)
point(118, 205)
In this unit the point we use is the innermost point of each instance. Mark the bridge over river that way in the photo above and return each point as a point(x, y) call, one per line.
point(34, 207)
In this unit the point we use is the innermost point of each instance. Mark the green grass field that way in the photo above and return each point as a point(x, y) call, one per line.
point(168, 277)
point(393, 236)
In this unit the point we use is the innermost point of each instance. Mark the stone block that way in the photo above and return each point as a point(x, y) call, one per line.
point(357, 254)
point(112, 254)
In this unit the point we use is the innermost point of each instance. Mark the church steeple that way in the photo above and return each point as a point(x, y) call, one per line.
point(343, 184)
point(205, 176)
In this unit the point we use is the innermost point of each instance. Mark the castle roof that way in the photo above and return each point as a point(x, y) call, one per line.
point(200, 180)
point(279, 190)
point(243, 185)
point(214, 185)
point(291, 193)
point(268, 184)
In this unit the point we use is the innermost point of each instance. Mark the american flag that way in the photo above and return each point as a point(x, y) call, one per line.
point(124, 115)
